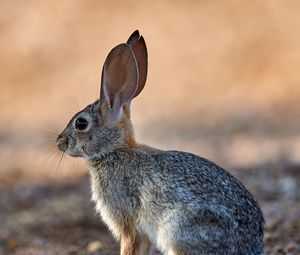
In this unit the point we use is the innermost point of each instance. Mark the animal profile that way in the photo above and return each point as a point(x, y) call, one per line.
point(177, 202)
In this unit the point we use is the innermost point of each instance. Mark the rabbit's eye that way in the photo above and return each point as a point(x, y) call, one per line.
point(81, 124)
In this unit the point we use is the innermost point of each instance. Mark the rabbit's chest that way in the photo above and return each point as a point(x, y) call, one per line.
point(107, 211)
point(110, 203)
point(108, 217)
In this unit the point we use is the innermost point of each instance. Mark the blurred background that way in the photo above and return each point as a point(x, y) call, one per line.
point(223, 82)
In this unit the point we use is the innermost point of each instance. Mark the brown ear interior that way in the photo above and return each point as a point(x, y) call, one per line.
point(119, 77)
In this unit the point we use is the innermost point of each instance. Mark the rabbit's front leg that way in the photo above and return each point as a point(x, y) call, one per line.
point(145, 246)
point(134, 244)
point(129, 245)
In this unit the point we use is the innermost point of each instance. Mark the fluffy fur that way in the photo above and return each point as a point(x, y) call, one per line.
point(176, 201)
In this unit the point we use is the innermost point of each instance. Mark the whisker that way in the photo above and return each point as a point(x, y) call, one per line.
point(50, 149)
point(54, 161)
point(63, 161)
point(49, 145)
point(59, 167)
point(48, 133)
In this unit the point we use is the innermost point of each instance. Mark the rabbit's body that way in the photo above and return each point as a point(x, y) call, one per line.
point(176, 201)
point(181, 202)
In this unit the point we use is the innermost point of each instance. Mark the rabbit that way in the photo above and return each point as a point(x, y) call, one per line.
point(176, 202)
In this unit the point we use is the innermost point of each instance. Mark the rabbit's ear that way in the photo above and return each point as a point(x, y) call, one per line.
point(119, 78)
point(138, 46)
point(134, 36)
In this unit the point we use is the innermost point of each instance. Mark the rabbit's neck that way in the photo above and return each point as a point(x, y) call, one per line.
point(109, 158)
point(126, 124)
point(113, 164)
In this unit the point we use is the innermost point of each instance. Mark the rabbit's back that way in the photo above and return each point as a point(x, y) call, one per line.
point(187, 178)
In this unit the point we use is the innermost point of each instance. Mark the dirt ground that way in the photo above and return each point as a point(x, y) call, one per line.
point(223, 83)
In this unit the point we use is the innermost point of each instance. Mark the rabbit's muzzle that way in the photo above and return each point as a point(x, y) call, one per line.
point(62, 142)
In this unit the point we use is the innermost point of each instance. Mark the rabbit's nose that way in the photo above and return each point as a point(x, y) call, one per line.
point(62, 142)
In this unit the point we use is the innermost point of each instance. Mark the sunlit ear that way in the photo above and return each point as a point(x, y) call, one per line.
point(138, 46)
point(119, 78)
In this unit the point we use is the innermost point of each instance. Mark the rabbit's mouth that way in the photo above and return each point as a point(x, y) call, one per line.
point(72, 154)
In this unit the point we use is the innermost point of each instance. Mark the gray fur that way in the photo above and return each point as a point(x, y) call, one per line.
point(190, 200)
point(183, 203)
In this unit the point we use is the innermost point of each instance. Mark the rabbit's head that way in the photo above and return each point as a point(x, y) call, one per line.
point(105, 125)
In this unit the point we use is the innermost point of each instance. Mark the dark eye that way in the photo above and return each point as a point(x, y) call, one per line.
point(81, 124)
